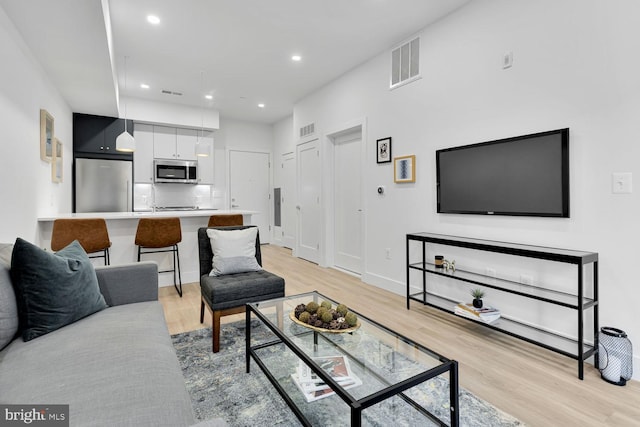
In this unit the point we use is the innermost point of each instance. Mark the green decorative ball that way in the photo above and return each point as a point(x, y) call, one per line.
point(304, 317)
point(342, 309)
point(312, 307)
point(351, 319)
point(326, 304)
point(327, 316)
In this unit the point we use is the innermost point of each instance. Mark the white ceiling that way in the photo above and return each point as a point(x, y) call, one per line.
point(237, 50)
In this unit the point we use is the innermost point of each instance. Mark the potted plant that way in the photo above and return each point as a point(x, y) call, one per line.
point(477, 295)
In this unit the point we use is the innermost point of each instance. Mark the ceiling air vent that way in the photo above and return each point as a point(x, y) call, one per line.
point(405, 63)
point(307, 130)
point(168, 92)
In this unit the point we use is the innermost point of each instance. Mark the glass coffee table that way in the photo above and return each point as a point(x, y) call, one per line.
point(369, 376)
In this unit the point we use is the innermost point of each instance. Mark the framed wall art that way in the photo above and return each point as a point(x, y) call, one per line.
point(383, 150)
point(46, 136)
point(56, 161)
point(404, 169)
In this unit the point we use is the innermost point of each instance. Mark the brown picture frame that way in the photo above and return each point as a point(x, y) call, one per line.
point(46, 136)
point(57, 163)
point(404, 169)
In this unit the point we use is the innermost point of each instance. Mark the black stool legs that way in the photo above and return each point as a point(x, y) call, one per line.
point(176, 264)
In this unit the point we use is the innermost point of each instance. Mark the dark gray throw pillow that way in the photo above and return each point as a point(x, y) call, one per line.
point(53, 290)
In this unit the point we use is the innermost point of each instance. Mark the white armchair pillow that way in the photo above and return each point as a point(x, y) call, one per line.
point(234, 251)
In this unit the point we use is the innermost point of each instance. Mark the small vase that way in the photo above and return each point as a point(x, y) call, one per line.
point(477, 303)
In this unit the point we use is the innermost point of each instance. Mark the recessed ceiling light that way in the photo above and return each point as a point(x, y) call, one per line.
point(144, 86)
point(152, 19)
point(261, 105)
point(296, 58)
point(209, 96)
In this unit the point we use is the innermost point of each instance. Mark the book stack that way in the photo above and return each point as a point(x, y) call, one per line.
point(484, 314)
point(313, 387)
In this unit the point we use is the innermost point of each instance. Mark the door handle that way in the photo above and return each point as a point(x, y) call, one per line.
point(235, 206)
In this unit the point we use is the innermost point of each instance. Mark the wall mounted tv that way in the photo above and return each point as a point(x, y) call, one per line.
point(525, 175)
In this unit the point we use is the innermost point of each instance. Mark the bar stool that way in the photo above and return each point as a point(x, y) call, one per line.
point(225, 220)
point(91, 233)
point(156, 235)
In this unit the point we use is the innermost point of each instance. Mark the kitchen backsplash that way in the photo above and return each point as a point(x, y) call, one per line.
point(173, 195)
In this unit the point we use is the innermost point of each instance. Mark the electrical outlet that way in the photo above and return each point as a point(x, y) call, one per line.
point(490, 272)
point(387, 252)
point(525, 279)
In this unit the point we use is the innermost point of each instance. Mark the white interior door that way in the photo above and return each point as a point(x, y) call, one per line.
point(308, 207)
point(288, 207)
point(347, 202)
point(249, 188)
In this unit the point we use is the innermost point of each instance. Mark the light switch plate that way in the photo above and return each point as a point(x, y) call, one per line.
point(621, 183)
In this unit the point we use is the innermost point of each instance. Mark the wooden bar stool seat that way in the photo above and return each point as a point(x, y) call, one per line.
point(155, 235)
point(91, 233)
point(225, 220)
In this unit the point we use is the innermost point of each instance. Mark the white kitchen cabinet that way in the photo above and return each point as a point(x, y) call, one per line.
point(143, 156)
point(186, 140)
point(205, 164)
point(174, 143)
point(164, 142)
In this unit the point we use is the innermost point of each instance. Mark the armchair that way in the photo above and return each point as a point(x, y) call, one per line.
point(228, 294)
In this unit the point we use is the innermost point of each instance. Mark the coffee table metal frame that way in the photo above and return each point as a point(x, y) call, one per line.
point(356, 405)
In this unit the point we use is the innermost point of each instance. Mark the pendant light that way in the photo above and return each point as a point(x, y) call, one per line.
point(202, 146)
point(125, 141)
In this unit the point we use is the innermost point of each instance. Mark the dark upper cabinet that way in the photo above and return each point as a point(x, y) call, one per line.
point(96, 136)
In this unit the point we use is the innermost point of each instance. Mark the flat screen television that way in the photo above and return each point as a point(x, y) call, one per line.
point(525, 175)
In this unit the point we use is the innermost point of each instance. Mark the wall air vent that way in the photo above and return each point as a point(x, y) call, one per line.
point(168, 92)
point(405, 63)
point(307, 130)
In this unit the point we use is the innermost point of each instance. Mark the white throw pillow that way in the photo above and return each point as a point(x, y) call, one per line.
point(234, 251)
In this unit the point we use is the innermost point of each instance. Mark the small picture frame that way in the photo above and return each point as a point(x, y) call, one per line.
point(56, 161)
point(46, 136)
point(404, 169)
point(383, 150)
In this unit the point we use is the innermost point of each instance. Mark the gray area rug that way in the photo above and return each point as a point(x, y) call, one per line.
point(220, 387)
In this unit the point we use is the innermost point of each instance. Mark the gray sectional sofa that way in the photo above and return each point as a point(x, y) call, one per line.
point(116, 367)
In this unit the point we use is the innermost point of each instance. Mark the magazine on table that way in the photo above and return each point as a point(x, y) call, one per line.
point(484, 314)
point(313, 387)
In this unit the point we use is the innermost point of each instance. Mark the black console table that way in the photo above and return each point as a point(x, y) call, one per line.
point(574, 348)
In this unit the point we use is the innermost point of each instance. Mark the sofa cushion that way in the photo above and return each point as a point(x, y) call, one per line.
point(8, 305)
point(116, 367)
point(234, 251)
point(53, 290)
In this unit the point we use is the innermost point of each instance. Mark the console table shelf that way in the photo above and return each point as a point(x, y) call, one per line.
point(574, 348)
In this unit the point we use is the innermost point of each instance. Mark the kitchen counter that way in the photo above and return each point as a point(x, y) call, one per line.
point(122, 228)
point(150, 214)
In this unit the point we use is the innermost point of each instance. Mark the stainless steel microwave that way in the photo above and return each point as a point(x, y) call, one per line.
point(176, 171)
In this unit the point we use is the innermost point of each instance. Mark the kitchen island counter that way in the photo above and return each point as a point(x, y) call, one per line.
point(151, 214)
point(122, 228)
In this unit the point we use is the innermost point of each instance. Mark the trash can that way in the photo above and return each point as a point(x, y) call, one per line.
point(615, 356)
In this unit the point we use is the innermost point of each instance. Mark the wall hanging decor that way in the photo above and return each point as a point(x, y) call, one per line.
point(56, 161)
point(46, 136)
point(383, 150)
point(404, 169)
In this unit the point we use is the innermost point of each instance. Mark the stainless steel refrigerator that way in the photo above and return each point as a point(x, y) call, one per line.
point(103, 185)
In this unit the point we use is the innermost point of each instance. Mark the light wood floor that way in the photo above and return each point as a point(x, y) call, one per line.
point(535, 385)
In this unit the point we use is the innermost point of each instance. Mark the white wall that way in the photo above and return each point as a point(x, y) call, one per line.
point(236, 135)
point(26, 189)
point(142, 110)
point(283, 142)
point(573, 67)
